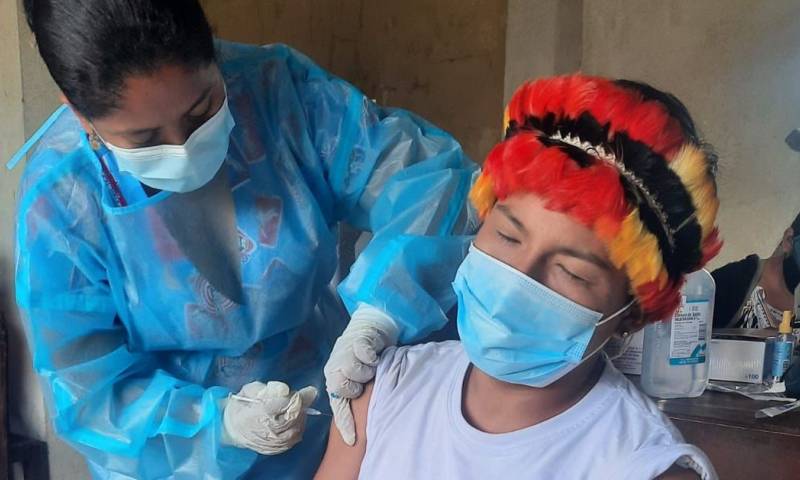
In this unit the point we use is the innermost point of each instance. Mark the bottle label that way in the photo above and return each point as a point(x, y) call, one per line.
point(688, 343)
point(781, 358)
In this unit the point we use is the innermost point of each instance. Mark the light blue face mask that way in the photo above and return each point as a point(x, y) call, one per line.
point(516, 329)
point(181, 168)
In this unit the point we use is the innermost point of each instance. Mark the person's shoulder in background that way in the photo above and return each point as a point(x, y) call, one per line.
point(734, 283)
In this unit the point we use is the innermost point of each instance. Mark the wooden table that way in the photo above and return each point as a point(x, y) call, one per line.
point(739, 445)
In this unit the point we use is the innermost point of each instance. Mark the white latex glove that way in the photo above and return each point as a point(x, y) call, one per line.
point(269, 419)
point(353, 361)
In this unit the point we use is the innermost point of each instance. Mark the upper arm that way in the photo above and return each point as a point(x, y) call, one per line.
point(678, 473)
point(342, 462)
point(663, 459)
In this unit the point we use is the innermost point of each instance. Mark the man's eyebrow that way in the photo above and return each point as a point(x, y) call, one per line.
point(507, 212)
point(589, 257)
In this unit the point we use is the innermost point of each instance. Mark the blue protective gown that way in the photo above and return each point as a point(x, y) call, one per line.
point(143, 318)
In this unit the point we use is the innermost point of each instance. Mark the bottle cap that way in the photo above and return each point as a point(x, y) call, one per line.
point(786, 323)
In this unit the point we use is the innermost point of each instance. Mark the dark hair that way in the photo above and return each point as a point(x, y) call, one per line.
point(91, 46)
point(680, 113)
point(796, 225)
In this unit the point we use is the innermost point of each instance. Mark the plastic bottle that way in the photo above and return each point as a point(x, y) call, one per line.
point(675, 355)
point(781, 350)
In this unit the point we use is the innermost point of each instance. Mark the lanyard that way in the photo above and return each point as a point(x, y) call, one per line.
point(111, 182)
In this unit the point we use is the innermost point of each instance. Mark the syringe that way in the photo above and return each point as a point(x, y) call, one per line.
point(309, 411)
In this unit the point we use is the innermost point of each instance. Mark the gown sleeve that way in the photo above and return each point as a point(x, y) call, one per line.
point(391, 173)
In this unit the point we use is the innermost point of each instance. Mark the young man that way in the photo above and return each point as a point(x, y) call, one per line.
point(596, 205)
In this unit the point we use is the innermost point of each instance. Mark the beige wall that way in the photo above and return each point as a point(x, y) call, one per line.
point(736, 65)
point(543, 37)
point(443, 60)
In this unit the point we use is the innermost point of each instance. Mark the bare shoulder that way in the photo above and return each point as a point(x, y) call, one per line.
point(679, 473)
point(343, 462)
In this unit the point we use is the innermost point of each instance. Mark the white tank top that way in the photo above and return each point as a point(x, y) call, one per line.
point(416, 430)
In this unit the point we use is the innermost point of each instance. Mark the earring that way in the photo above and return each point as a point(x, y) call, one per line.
point(94, 141)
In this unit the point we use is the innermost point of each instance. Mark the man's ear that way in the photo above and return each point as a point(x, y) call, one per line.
point(632, 321)
point(85, 123)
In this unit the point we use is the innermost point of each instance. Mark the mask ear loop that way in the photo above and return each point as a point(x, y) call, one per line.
point(627, 337)
point(616, 314)
point(606, 320)
point(626, 342)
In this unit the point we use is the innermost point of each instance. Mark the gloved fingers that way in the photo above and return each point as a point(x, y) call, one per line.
point(272, 423)
point(286, 441)
point(241, 422)
point(343, 418)
point(341, 386)
point(234, 428)
point(292, 416)
point(287, 420)
point(358, 372)
point(252, 390)
point(276, 398)
point(273, 443)
point(307, 396)
point(276, 389)
point(293, 411)
point(367, 348)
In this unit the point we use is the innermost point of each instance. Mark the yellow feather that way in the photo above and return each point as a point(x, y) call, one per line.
point(482, 194)
point(636, 251)
point(690, 166)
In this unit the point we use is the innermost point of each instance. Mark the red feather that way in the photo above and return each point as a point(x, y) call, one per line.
point(623, 110)
point(524, 164)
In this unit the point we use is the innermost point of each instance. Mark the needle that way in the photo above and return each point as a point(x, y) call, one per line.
point(309, 411)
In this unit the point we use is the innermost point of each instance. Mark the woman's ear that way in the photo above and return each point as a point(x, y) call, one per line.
point(85, 123)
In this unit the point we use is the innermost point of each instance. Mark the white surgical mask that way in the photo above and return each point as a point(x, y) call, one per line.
point(181, 168)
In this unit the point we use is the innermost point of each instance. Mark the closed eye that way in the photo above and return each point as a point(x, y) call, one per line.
point(507, 239)
point(144, 141)
point(201, 117)
point(572, 276)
